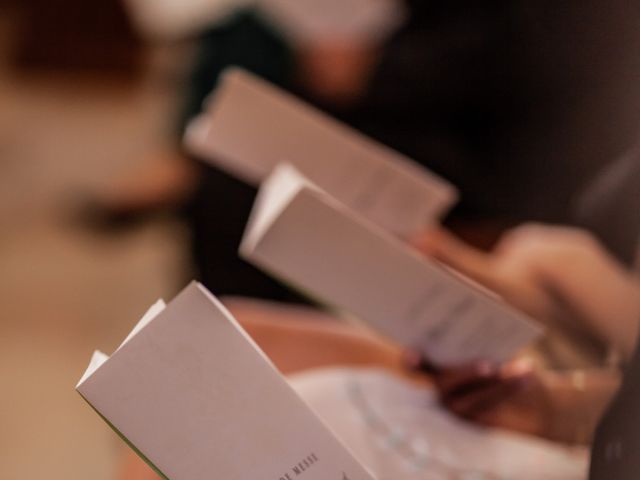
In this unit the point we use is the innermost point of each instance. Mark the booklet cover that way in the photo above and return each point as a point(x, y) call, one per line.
point(300, 234)
point(197, 399)
point(250, 126)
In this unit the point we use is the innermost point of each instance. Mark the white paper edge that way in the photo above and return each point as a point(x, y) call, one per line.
point(275, 195)
point(149, 315)
point(98, 358)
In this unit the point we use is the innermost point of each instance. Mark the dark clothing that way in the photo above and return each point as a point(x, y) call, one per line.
point(616, 450)
point(243, 40)
point(610, 208)
point(518, 103)
point(219, 213)
point(510, 100)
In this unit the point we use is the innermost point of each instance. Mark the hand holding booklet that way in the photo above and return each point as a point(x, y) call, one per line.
point(191, 392)
point(305, 237)
point(250, 126)
point(197, 399)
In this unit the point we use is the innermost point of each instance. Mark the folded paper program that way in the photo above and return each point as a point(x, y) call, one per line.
point(196, 398)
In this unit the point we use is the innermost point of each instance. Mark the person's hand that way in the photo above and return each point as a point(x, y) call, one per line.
point(561, 406)
point(512, 396)
point(510, 270)
point(335, 72)
point(552, 273)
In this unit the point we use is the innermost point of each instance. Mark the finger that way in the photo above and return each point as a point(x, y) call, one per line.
point(475, 264)
point(449, 249)
point(480, 376)
point(482, 401)
point(452, 381)
point(415, 361)
point(428, 241)
point(519, 235)
point(521, 367)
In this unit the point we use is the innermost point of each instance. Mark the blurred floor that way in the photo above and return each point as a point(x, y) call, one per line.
point(65, 291)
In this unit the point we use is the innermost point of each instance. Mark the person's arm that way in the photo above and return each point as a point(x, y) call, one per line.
point(547, 271)
point(598, 290)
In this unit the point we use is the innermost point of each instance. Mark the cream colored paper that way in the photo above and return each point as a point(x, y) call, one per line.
point(193, 394)
point(303, 236)
point(250, 126)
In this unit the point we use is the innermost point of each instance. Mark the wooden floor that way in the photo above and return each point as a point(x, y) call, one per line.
point(65, 291)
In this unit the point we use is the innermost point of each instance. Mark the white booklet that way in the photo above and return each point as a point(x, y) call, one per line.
point(250, 126)
point(303, 236)
point(197, 399)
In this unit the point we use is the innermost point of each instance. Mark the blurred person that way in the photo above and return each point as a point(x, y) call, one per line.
point(534, 267)
point(566, 278)
point(555, 273)
point(486, 95)
point(614, 454)
point(321, 50)
point(564, 406)
point(76, 37)
point(171, 20)
point(505, 99)
point(609, 208)
point(447, 89)
point(323, 61)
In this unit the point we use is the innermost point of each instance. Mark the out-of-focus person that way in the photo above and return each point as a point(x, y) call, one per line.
point(491, 96)
point(586, 296)
point(555, 273)
point(321, 51)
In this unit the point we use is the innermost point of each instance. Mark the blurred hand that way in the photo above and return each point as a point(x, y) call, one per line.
point(550, 272)
point(335, 72)
point(510, 270)
point(561, 406)
point(513, 397)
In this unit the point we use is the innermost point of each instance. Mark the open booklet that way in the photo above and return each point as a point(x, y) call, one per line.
point(250, 126)
point(306, 238)
point(400, 431)
point(197, 399)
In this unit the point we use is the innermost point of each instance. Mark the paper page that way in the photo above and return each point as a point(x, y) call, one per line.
point(97, 359)
point(150, 314)
point(275, 193)
point(197, 399)
point(250, 126)
point(400, 432)
point(326, 251)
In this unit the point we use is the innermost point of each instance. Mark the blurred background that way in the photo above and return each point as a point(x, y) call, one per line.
point(519, 104)
point(82, 99)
